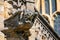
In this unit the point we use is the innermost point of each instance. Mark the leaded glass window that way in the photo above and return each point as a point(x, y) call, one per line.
point(57, 25)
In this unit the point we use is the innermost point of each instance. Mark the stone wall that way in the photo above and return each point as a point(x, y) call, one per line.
point(2, 36)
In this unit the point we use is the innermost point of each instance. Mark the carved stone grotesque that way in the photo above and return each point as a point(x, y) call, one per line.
point(16, 30)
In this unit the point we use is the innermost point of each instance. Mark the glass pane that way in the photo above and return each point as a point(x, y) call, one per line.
point(57, 25)
point(53, 6)
point(47, 7)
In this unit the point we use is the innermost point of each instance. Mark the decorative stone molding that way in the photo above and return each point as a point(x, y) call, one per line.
point(41, 31)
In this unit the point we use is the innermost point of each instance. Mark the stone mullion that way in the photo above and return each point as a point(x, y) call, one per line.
point(50, 4)
point(58, 5)
point(43, 6)
point(51, 14)
point(37, 4)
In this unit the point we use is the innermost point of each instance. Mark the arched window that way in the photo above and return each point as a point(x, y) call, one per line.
point(57, 25)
